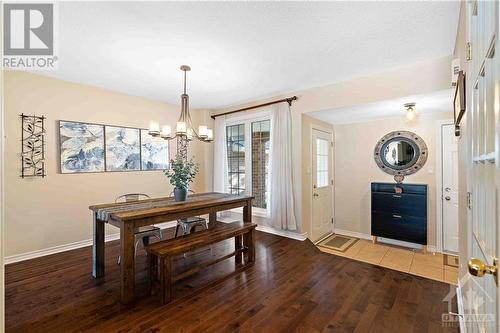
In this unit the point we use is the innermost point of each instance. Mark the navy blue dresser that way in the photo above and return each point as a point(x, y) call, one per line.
point(401, 216)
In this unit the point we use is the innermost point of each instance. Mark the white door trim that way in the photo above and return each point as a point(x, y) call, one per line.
point(439, 183)
point(328, 131)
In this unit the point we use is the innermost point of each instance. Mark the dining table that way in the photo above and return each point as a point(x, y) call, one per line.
point(128, 216)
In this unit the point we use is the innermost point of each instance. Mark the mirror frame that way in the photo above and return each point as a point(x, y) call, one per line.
point(415, 164)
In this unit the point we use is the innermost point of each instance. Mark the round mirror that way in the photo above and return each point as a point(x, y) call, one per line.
point(400, 153)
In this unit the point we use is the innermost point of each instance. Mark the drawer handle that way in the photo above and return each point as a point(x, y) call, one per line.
point(396, 196)
point(396, 216)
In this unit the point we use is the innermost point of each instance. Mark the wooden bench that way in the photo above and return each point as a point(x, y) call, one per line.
point(164, 251)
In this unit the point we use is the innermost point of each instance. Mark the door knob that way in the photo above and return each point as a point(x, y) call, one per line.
point(447, 198)
point(479, 268)
point(316, 194)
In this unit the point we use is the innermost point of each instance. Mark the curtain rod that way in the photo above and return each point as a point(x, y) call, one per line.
point(288, 100)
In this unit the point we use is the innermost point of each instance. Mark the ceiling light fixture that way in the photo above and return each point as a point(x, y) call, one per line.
point(184, 130)
point(411, 113)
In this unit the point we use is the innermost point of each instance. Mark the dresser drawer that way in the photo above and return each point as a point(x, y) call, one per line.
point(406, 228)
point(400, 204)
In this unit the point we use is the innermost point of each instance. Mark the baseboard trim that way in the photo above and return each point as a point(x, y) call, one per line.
point(430, 248)
point(284, 233)
point(71, 246)
point(116, 236)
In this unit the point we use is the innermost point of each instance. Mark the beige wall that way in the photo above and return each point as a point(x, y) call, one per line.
point(42, 213)
point(355, 169)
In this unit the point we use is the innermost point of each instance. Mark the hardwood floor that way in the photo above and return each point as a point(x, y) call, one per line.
point(291, 287)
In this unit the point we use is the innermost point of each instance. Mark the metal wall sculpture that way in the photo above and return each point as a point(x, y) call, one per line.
point(32, 146)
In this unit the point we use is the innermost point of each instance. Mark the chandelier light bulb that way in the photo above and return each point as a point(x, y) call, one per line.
point(190, 134)
point(166, 131)
point(154, 128)
point(181, 127)
point(202, 131)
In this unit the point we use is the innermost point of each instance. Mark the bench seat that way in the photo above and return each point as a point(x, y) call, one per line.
point(164, 251)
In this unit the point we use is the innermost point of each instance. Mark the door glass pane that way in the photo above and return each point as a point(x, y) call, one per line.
point(235, 135)
point(260, 162)
point(322, 163)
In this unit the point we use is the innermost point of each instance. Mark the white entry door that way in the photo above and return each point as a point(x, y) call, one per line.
point(481, 294)
point(322, 180)
point(449, 189)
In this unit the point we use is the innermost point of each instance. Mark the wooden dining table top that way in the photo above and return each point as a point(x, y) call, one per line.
point(168, 205)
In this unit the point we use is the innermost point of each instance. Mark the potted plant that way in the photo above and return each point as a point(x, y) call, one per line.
point(180, 174)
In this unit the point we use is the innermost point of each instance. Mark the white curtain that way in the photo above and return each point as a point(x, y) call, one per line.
point(220, 155)
point(281, 189)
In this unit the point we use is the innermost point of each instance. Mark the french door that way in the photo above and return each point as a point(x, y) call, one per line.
point(480, 289)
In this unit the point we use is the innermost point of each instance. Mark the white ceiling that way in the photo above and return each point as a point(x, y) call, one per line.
point(441, 101)
point(242, 51)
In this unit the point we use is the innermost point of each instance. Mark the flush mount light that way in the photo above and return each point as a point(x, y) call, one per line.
point(411, 113)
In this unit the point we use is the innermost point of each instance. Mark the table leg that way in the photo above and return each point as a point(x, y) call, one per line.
point(98, 248)
point(212, 220)
point(127, 262)
point(247, 212)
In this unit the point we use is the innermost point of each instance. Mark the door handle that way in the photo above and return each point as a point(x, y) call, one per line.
point(315, 194)
point(478, 268)
point(447, 198)
point(447, 189)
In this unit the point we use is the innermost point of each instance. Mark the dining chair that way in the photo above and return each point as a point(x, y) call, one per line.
point(141, 233)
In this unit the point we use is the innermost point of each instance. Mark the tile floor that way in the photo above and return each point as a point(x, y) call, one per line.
point(411, 261)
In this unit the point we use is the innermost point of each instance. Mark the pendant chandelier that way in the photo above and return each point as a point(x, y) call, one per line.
point(184, 130)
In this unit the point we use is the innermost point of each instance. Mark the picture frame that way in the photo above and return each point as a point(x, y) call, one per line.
point(81, 147)
point(459, 102)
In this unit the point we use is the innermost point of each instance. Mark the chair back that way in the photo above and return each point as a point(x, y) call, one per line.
point(130, 197)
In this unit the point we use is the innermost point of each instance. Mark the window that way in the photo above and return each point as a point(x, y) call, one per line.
point(261, 138)
point(236, 158)
point(248, 155)
point(321, 162)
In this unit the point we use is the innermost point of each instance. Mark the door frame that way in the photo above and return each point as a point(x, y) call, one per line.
point(332, 150)
point(439, 182)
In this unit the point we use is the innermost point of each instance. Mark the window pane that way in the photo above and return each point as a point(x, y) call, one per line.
point(260, 162)
point(322, 164)
point(236, 158)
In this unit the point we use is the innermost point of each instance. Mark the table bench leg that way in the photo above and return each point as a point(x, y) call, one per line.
point(249, 243)
point(237, 245)
point(153, 271)
point(166, 279)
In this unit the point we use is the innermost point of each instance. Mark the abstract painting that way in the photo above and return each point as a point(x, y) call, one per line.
point(154, 152)
point(82, 147)
point(123, 151)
